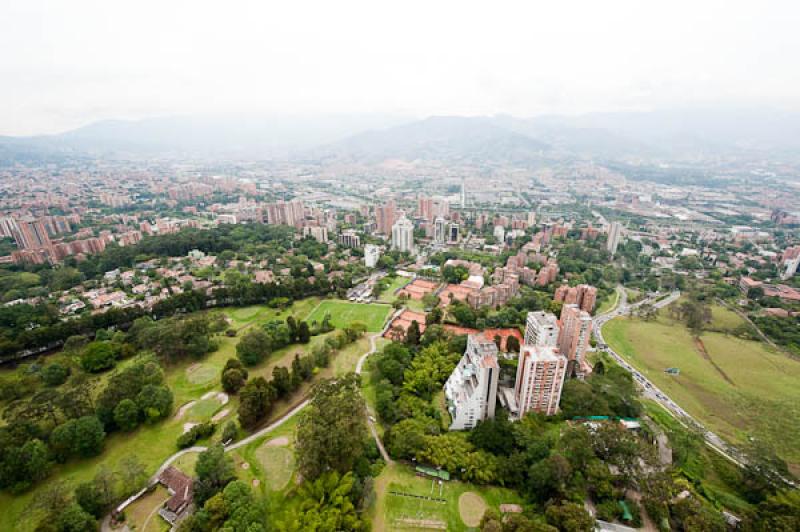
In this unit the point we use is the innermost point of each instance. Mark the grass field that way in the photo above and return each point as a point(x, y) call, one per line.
point(739, 388)
point(343, 313)
point(397, 283)
point(398, 512)
point(152, 444)
point(143, 516)
point(277, 462)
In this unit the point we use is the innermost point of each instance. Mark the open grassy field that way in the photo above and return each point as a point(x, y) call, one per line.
point(143, 516)
point(401, 512)
point(739, 388)
point(397, 283)
point(189, 381)
point(344, 313)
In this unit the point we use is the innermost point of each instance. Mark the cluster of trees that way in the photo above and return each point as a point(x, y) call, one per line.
point(783, 331)
point(513, 314)
point(258, 344)
point(177, 338)
point(608, 391)
point(60, 508)
point(256, 396)
point(198, 432)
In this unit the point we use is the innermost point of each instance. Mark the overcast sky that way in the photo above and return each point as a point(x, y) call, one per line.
point(69, 62)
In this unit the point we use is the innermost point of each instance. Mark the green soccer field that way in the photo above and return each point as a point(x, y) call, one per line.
point(343, 313)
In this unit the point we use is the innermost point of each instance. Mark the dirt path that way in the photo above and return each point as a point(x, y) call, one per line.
point(701, 348)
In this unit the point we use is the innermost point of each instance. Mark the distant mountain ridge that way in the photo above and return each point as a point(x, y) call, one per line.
point(658, 135)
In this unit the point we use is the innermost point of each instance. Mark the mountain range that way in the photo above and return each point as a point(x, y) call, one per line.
point(690, 134)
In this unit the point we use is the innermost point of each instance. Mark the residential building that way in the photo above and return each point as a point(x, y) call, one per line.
point(541, 329)
point(573, 341)
point(318, 233)
point(30, 233)
point(471, 390)
point(349, 239)
point(371, 255)
point(439, 231)
point(385, 217)
point(540, 376)
point(403, 235)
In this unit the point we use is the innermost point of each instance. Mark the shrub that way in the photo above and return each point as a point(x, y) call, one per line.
point(203, 430)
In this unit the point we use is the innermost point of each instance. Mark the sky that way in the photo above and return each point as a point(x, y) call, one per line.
point(64, 64)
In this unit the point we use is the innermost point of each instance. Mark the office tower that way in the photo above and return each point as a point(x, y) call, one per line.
point(30, 234)
point(471, 390)
point(371, 255)
point(541, 329)
point(385, 217)
point(350, 239)
point(439, 231)
point(403, 235)
point(452, 233)
point(576, 329)
point(540, 377)
point(614, 234)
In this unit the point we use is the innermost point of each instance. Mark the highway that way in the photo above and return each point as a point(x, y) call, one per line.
point(650, 390)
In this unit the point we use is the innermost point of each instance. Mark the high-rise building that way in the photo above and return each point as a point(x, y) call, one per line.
point(439, 231)
point(463, 194)
point(425, 208)
point(31, 234)
point(318, 233)
point(453, 233)
point(573, 341)
point(471, 390)
point(531, 218)
point(500, 234)
point(583, 295)
point(614, 235)
point(403, 235)
point(349, 239)
point(385, 217)
point(372, 254)
point(540, 377)
point(541, 329)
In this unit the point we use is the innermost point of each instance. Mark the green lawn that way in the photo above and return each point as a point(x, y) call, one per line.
point(397, 512)
point(343, 313)
point(188, 380)
point(396, 283)
point(608, 303)
point(744, 390)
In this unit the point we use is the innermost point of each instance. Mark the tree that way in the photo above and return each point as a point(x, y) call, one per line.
point(233, 379)
point(55, 374)
point(512, 344)
point(126, 415)
point(494, 435)
point(569, 517)
point(155, 401)
point(75, 519)
point(413, 334)
point(89, 436)
point(98, 356)
point(214, 469)
point(281, 380)
point(254, 347)
point(303, 333)
point(326, 503)
point(229, 432)
point(255, 399)
point(332, 431)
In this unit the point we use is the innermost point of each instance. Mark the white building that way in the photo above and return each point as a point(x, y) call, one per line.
point(614, 235)
point(371, 255)
point(439, 231)
point(541, 329)
point(403, 235)
point(349, 239)
point(471, 390)
point(540, 377)
point(500, 234)
point(791, 268)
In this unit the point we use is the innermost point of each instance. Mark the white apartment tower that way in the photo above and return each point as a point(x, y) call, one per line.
point(541, 329)
point(540, 377)
point(371, 255)
point(403, 235)
point(614, 235)
point(471, 390)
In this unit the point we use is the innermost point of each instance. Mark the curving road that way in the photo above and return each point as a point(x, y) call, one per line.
point(650, 390)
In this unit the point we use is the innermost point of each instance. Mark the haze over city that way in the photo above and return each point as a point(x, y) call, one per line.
point(72, 63)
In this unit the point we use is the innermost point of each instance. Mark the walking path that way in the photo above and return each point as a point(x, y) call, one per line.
point(105, 525)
